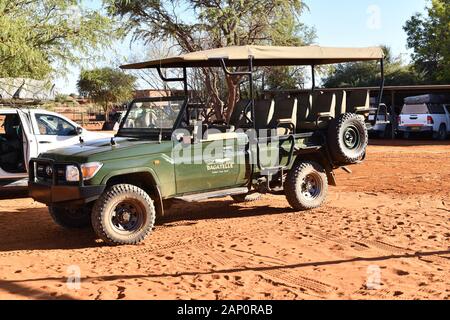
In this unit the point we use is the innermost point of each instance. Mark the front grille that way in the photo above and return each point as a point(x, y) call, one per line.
point(48, 172)
point(44, 172)
point(51, 173)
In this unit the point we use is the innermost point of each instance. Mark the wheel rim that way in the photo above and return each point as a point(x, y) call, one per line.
point(351, 137)
point(311, 187)
point(443, 132)
point(128, 216)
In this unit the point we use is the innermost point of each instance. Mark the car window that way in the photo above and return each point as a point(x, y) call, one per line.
point(54, 126)
point(448, 108)
point(415, 109)
point(436, 109)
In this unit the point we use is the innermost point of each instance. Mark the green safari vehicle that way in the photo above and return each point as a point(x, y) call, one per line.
point(165, 151)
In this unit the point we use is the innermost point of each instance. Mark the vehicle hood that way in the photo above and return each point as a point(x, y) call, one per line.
point(101, 149)
point(90, 135)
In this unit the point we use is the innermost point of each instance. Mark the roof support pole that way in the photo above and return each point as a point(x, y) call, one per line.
point(182, 79)
point(313, 77)
point(252, 97)
point(380, 94)
point(185, 89)
point(248, 73)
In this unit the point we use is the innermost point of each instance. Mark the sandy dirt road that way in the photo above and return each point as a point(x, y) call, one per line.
point(386, 226)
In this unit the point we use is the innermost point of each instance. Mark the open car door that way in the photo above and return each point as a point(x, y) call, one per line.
point(29, 141)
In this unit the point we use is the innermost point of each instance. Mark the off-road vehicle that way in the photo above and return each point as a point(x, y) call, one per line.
point(165, 151)
point(425, 114)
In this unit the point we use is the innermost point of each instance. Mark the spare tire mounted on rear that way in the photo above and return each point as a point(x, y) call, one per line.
point(347, 139)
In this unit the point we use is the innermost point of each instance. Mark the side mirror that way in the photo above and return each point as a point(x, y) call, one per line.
point(79, 131)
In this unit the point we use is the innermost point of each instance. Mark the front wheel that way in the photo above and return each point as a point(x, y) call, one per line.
point(71, 218)
point(306, 186)
point(124, 214)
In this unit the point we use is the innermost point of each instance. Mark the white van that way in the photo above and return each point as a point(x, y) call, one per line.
point(425, 114)
point(26, 133)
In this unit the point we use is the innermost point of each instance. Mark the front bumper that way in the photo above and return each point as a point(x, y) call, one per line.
point(51, 188)
point(73, 195)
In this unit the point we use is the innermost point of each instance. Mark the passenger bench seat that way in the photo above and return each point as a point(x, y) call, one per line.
point(284, 118)
point(341, 102)
point(358, 101)
point(322, 110)
point(237, 118)
point(263, 111)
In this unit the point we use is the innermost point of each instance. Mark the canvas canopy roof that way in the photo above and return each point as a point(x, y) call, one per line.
point(264, 56)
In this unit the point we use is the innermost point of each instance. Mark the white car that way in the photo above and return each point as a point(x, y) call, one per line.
point(26, 133)
point(425, 114)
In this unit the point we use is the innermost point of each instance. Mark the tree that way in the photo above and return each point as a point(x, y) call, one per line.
point(367, 74)
point(106, 86)
point(37, 35)
point(211, 24)
point(429, 37)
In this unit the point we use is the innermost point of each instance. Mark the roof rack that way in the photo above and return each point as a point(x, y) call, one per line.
point(428, 98)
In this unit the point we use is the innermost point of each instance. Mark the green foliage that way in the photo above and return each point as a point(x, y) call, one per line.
point(367, 74)
point(106, 86)
point(195, 25)
point(61, 98)
point(36, 35)
point(429, 36)
point(286, 77)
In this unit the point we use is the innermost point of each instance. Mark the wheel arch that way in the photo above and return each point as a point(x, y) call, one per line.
point(321, 158)
point(143, 178)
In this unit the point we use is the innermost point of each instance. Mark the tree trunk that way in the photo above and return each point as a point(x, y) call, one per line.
point(213, 94)
point(233, 97)
point(106, 110)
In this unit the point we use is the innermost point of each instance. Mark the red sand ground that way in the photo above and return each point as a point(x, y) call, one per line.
point(392, 214)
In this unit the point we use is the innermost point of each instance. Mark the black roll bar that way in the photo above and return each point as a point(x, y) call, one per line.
point(380, 95)
point(248, 73)
point(183, 79)
point(186, 92)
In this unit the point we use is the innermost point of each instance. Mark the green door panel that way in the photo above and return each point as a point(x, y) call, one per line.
point(213, 164)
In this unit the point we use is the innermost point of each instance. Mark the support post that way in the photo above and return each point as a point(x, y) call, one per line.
point(380, 95)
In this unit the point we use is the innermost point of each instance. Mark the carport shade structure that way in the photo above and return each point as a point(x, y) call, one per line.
point(254, 56)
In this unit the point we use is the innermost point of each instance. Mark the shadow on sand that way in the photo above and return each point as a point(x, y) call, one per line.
point(19, 286)
point(33, 229)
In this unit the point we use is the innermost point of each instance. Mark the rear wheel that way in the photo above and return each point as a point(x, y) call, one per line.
point(442, 133)
point(71, 218)
point(306, 186)
point(348, 139)
point(124, 214)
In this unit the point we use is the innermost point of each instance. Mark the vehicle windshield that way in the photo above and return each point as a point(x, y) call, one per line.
point(152, 115)
point(415, 109)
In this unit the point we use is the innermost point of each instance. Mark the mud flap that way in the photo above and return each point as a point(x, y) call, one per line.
point(159, 205)
point(331, 178)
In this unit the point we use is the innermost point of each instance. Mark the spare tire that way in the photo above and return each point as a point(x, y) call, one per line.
point(347, 139)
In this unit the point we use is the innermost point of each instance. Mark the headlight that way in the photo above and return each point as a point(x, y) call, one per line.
point(72, 174)
point(89, 170)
